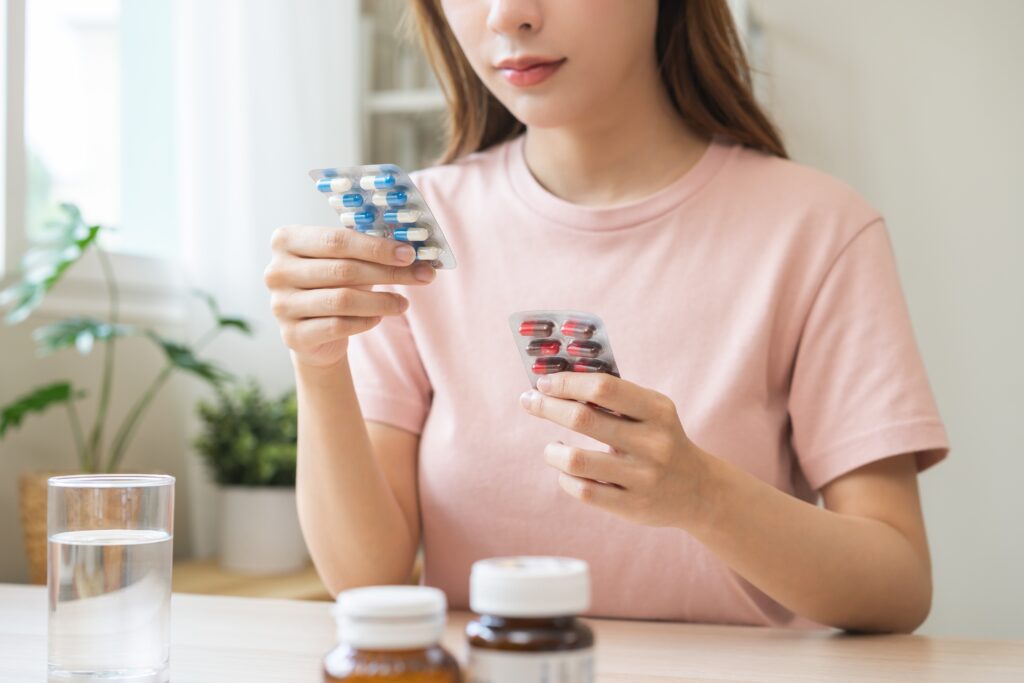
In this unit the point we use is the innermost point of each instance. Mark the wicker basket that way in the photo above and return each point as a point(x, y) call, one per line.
point(32, 491)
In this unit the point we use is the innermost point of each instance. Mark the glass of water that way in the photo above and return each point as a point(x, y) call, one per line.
point(109, 577)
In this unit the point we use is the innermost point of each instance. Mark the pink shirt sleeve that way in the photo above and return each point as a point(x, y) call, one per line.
point(859, 390)
point(389, 378)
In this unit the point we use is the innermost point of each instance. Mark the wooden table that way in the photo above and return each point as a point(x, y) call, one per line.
point(228, 639)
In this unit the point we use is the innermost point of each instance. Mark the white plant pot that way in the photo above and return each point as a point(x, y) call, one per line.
point(259, 530)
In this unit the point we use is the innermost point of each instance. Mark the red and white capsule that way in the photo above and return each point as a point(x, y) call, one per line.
point(591, 365)
point(583, 349)
point(578, 329)
point(544, 347)
point(536, 328)
point(549, 365)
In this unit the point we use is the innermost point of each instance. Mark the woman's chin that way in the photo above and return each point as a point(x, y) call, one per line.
point(545, 112)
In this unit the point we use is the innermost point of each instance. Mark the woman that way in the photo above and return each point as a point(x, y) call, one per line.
point(609, 156)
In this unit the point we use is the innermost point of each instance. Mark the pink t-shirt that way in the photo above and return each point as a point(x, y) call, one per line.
point(760, 295)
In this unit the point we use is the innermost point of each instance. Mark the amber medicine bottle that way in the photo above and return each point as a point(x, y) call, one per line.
point(526, 630)
point(391, 634)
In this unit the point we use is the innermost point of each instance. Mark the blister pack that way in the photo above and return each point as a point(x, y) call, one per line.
point(559, 341)
point(381, 200)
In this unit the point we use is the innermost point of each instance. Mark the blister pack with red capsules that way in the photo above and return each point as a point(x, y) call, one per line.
point(381, 200)
point(562, 341)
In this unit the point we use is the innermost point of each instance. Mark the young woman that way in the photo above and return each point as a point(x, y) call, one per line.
point(608, 156)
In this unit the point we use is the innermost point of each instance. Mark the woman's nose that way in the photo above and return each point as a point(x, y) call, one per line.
point(509, 17)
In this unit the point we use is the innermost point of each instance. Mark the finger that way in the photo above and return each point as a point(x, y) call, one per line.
point(607, 391)
point(309, 334)
point(323, 242)
point(317, 273)
point(592, 492)
point(581, 418)
point(341, 301)
point(608, 468)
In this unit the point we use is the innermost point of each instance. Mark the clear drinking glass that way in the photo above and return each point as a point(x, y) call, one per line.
point(109, 577)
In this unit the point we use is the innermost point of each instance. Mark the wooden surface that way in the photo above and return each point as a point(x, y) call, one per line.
point(226, 639)
point(208, 578)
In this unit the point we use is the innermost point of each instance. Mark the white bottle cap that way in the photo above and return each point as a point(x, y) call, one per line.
point(529, 587)
point(391, 617)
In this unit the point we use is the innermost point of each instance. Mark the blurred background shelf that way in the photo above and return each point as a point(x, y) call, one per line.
point(404, 113)
point(405, 101)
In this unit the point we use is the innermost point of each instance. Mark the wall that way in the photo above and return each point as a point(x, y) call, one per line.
point(919, 104)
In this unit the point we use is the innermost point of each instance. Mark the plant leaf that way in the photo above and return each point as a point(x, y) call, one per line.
point(80, 331)
point(238, 323)
point(210, 302)
point(247, 437)
point(69, 218)
point(44, 265)
point(26, 297)
point(35, 401)
point(183, 358)
point(84, 342)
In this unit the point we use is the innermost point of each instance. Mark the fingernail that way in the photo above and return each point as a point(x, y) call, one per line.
point(405, 253)
point(423, 272)
point(528, 397)
point(544, 383)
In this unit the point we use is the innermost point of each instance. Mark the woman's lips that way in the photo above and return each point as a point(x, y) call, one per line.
point(524, 73)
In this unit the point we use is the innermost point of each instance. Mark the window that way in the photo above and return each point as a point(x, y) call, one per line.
point(72, 111)
point(90, 119)
point(99, 118)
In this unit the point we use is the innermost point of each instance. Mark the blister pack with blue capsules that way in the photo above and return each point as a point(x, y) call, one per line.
point(381, 200)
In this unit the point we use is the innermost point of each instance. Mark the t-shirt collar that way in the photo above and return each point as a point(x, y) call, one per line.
point(633, 213)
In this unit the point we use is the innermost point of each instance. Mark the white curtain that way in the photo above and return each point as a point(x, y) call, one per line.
point(266, 90)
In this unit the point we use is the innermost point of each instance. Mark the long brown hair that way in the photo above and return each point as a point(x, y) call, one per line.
point(700, 57)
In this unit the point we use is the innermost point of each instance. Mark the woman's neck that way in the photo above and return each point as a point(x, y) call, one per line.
point(626, 151)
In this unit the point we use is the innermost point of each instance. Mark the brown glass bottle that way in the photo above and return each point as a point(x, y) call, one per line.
point(526, 631)
point(390, 634)
point(554, 634)
point(429, 665)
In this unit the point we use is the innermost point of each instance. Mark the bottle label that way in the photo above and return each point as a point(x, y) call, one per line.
point(488, 666)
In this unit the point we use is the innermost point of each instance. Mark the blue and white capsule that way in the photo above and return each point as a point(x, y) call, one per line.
point(349, 200)
point(411, 234)
point(393, 198)
point(382, 181)
point(337, 184)
point(428, 253)
point(354, 218)
point(401, 216)
point(372, 231)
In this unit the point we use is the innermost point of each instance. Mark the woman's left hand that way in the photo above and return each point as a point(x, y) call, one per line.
point(653, 474)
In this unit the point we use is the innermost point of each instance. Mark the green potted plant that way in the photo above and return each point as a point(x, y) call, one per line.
point(248, 442)
point(42, 268)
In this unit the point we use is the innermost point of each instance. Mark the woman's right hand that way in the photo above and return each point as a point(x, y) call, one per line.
point(321, 280)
